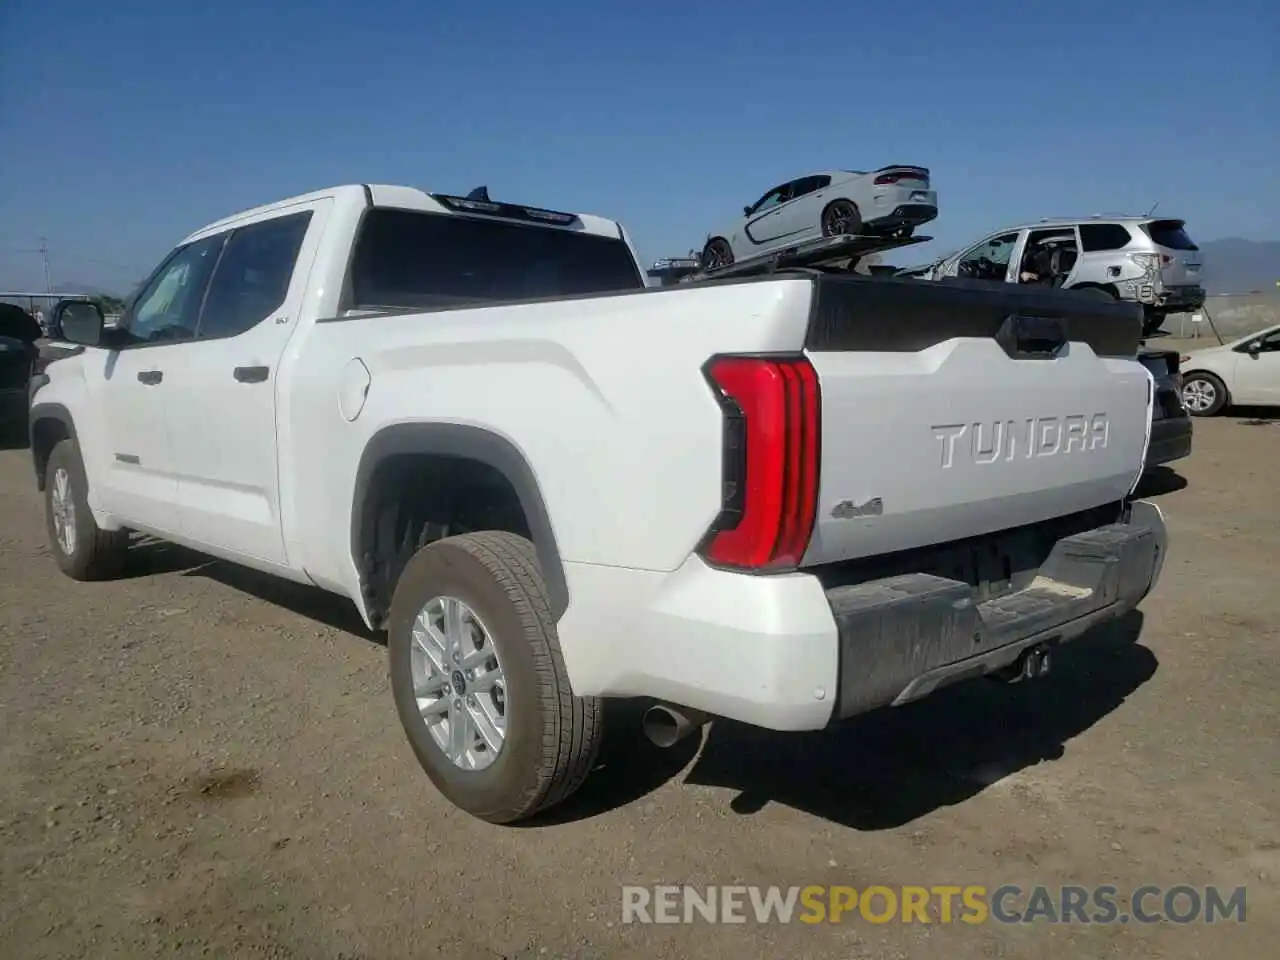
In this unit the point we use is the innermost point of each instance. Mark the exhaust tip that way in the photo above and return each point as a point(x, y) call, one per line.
point(665, 726)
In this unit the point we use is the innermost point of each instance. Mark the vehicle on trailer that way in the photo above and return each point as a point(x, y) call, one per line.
point(417, 401)
point(1245, 372)
point(1150, 261)
point(891, 201)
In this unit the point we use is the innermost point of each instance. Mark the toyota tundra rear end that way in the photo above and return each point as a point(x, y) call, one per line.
point(934, 482)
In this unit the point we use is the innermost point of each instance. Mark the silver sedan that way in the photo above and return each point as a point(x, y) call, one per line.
point(891, 201)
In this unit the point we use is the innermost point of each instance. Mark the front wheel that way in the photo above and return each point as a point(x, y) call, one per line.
point(1203, 394)
point(479, 680)
point(83, 550)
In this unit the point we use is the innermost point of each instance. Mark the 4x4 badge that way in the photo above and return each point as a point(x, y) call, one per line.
point(847, 509)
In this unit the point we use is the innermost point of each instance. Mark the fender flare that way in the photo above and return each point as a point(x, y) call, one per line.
point(467, 443)
point(46, 411)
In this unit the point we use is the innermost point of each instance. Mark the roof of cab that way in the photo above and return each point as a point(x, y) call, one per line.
point(1056, 223)
point(384, 195)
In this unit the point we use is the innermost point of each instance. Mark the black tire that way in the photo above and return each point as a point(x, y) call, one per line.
point(841, 217)
point(95, 554)
point(1098, 293)
point(13, 434)
point(1212, 384)
point(552, 737)
point(1152, 321)
point(717, 253)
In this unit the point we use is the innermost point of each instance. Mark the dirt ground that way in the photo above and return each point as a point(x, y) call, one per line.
point(197, 761)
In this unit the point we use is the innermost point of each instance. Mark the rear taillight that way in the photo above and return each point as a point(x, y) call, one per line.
point(907, 173)
point(771, 411)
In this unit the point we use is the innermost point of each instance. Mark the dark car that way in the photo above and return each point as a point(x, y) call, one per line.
point(19, 333)
point(1170, 422)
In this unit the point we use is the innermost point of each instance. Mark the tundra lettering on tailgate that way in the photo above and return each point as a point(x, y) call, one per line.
point(1004, 440)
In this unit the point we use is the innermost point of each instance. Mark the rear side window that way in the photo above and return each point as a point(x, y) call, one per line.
point(405, 258)
point(252, 277)
point(808, 185)
point(1169, 233)
point(1103, 236)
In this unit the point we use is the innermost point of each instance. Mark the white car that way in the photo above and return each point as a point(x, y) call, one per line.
point(1245, 372)
point(551, 485)
point(891, 201)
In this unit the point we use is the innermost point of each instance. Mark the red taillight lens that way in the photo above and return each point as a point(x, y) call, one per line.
point(771, 446)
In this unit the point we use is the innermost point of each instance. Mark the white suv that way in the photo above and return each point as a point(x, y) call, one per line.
point(1143, 260)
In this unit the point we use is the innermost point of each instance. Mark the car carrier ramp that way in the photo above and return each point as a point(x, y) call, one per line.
point(840, 253)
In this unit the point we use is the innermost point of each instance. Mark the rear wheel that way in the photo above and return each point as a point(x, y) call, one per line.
point(841, 218)
point(717, 253)
point(1152, 321)
point(479, 681)
point(83, 550)
point(1098, 293)
point(1203, 394)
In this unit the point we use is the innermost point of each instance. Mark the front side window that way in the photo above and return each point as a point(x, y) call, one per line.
point(411, 259)
point(253, 276)
point(169, 306)
point(775, 197)
point(997, 250)
point(1271, 342)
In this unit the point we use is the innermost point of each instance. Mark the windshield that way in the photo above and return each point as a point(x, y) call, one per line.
point(1170, 234)
point(405, 258)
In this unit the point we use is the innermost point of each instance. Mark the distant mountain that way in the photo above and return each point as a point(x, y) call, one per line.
point(74, 286)
point(1235, 265)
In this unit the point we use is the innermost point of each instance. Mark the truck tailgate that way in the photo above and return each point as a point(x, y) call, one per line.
point(956, 408)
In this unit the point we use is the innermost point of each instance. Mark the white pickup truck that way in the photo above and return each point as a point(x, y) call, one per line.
point(785, 499)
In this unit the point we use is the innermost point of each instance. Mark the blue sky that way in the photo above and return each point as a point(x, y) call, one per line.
point(127, 124)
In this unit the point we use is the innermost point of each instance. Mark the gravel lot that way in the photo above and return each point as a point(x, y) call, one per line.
point(200, 762)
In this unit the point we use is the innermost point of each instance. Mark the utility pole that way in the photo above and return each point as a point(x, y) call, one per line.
point(44, 261)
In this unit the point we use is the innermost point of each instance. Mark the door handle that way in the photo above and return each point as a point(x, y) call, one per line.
point(251, 374)
point(150, 377)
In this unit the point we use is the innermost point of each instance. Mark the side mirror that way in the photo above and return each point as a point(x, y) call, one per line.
point(78, 321)
point(1254, 348)
point(746, 211)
